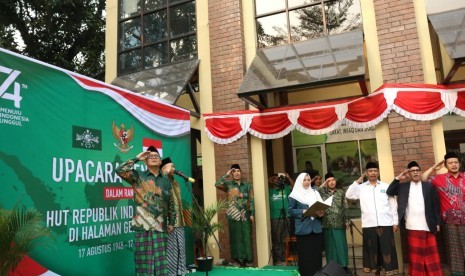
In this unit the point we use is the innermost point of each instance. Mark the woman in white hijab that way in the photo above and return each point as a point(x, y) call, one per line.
point(308, 230)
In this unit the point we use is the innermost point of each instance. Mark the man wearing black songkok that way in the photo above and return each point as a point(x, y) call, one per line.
point(379, 221)
point(152, 220)
point(450, 187)
point(335, 222)
point(240, 214)
point(418, 210)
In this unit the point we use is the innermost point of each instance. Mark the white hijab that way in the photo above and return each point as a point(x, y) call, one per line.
point(302, 195)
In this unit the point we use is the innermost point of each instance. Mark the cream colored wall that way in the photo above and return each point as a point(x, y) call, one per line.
point(325, 93)
point(206, 106)
point(437, 129)
point(426, 51)
point(376, 79)
point(258, 152)
point(260, 189)
point(278, 156)
point(111, 40)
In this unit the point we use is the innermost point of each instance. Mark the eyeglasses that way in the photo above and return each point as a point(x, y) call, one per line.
point(415, 170)
point(153, 156)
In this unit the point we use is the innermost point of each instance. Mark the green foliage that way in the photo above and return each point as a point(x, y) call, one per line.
point(65, 33)
point(198, 220)
point(20, 231)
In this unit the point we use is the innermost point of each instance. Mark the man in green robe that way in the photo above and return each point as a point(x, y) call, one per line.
point(240, 214)
point(335, 222)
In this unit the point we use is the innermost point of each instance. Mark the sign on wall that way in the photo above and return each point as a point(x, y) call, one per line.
point(62, 137)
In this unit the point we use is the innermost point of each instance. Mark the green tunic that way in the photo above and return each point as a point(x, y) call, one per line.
point(152, 194)
point(240, 208)
point(334, 227)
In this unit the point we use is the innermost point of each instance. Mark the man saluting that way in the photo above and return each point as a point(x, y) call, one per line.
point(153, 218)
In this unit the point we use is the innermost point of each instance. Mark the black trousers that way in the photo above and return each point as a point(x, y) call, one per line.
point(379, 248)
point(309, 253)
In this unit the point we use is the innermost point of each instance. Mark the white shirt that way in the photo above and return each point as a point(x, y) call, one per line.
point(378, 209)
point(415, 218)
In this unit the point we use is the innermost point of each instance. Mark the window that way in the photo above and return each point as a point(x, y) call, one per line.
point(344, 151)
point(281, 22)
point(154, 33)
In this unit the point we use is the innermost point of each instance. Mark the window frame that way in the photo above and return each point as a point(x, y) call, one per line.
point(139, 15)
point(287, 10)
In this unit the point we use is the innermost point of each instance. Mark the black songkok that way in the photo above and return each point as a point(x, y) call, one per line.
point(329, 175)
point(235, 166)
point(413, 164)
point(372, 165)
point(450, 155)
point(153, 149)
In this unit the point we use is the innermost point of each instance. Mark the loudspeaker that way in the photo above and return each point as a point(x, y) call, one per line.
point(331, 269)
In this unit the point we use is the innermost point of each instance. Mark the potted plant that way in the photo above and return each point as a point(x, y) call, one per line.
point(20, 230)
point(203, 229)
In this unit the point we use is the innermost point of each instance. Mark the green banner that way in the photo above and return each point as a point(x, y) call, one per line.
point(309, 159)
point(343, 161)
point(59, 148)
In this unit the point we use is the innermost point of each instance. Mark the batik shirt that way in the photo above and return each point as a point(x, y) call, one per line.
point(179, 220)
point(335, 216)
point(240, 198)
point(451, 193)
point(153, 196)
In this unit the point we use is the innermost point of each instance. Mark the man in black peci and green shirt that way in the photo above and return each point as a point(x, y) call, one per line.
point(240, 214)
point(153, 218)
point(335, 222)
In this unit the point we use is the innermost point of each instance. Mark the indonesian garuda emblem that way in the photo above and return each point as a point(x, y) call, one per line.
point(123, 136)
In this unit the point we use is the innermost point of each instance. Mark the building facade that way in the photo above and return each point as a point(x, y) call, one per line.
point(223, 53)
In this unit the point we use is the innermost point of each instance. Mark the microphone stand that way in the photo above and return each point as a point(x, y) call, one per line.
point(351, 225)
point(207, 224)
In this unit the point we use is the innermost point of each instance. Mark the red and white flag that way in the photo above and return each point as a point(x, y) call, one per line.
point(146, 143)
point(28, 266)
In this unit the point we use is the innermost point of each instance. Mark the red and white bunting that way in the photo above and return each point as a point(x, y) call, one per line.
point(421, 102)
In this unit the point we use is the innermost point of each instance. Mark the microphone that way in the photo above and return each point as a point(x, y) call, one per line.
point(190, 179)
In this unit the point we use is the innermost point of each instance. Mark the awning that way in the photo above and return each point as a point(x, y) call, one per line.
point(164, 83)
point(448, 20)
point(326, 60)
point(417, 102)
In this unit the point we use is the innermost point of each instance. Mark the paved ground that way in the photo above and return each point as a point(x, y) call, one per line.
point(359, 264)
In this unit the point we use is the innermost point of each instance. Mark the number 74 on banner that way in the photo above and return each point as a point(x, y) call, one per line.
point(15, 96)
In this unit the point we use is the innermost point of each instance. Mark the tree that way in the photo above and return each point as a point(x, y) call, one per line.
point(20, 232)
point(66, 33)
point(202, 224)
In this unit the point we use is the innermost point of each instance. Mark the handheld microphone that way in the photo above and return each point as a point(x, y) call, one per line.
point(190, 179)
